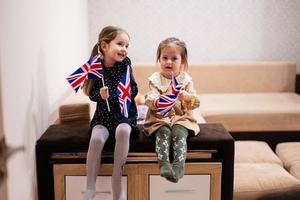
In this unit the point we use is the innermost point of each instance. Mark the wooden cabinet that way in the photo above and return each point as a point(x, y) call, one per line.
point(142, 182)
point(191, 187)
point(75, 187)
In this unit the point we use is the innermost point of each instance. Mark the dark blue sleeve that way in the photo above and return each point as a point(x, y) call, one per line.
point(95, 91)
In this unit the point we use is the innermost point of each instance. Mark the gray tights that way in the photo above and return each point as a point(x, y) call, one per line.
point(97, 141)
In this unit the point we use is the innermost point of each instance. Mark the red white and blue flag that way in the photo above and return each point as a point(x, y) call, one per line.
point(123, 91)
point(176, 87)
point(96, 70)
point(166, 102)
point(89, 70)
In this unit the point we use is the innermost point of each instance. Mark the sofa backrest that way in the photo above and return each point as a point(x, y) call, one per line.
point(231, 77)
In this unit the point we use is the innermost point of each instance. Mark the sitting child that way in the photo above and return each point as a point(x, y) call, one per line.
point(170, 116)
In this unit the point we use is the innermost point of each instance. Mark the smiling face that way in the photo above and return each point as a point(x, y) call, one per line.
point(170, 61)
point(116, 50)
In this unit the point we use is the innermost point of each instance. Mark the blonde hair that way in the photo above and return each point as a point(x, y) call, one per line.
point(170, 42)
point(106, 35)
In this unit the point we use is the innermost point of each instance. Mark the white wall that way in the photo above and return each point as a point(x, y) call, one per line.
point(215, 31)
point(41, 42)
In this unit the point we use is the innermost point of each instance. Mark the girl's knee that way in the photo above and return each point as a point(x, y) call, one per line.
point(99, 135)
point(163, 130)
point(123, 130)
point(123, 127)
point(97, 139)
point(99, 129)
point(179, 131)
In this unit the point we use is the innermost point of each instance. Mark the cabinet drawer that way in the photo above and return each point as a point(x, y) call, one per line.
point(75, 187)
point(190, 187)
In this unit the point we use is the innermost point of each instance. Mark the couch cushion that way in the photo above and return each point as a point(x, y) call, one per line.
point(254, 180)
point(231, 77)
point(244, 77)
point(74, 113)
point(252, 111)
point(288, 152)
point(295, 169)
point(291, 194)
point(254, 152)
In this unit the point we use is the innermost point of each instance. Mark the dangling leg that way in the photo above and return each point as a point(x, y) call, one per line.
point(97, 141)
point(120, 155)
point(162, 148)
point(179, 135)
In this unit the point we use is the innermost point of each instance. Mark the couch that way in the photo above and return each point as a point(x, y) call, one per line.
point(252, 96)
point(253, 100)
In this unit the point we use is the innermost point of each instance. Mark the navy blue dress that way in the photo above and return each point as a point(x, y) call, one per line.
point(112, 77)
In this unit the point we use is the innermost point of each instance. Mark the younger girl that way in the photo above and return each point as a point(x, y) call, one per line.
point(108, 120)
point(174, 127)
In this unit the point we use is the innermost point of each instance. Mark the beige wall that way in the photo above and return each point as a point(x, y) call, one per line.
point(215, 31)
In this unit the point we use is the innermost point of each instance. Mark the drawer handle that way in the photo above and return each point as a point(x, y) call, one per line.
point(103, 192)
point(180, 190)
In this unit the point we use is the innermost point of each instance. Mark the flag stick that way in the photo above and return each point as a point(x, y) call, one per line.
point(107, 104)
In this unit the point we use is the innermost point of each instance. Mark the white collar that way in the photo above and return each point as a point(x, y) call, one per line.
point(163, 83)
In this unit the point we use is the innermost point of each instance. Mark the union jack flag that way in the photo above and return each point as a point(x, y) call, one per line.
point(123, 91)
point(89, 70)
point(96, 70)
point(176, 87)
point(166, 102)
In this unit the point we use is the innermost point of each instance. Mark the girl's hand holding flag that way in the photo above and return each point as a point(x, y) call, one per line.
point(184, 96)
point(104, 92)
point(166, 102)
point(90, 70)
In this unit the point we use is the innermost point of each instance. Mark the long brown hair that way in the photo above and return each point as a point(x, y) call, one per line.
point(174, 41)
point(106, 35)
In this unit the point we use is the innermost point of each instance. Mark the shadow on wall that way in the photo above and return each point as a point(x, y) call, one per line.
point(3, 181)
point(37, 117)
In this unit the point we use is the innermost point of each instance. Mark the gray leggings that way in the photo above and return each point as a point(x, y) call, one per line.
point(175, 135)
point(98, 138)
